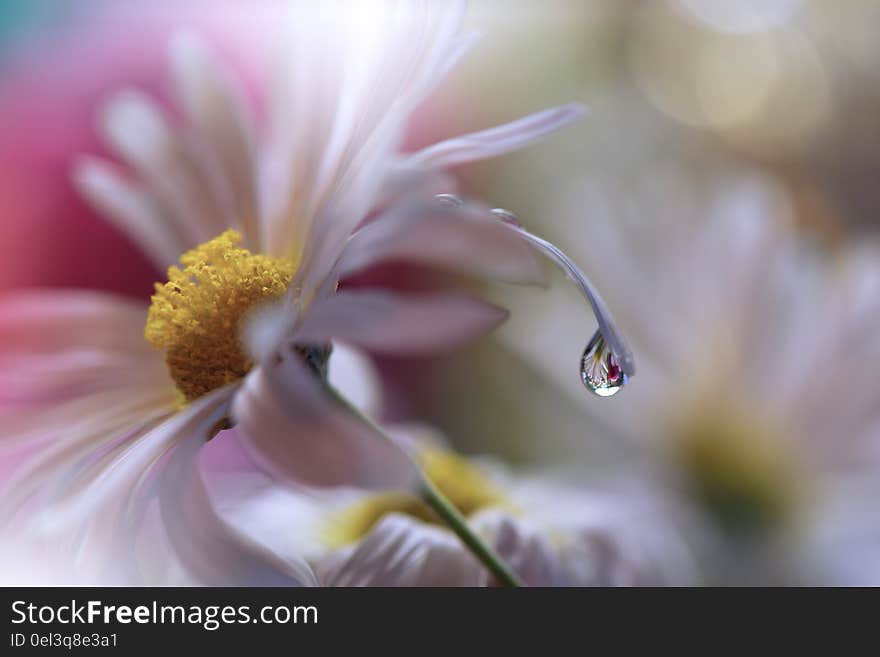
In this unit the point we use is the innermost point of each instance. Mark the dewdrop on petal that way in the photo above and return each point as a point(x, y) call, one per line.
point(606, 363)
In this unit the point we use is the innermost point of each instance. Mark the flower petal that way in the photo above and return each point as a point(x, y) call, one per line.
point(103, 494)
point(356, 378)
point(130, 208)
point(78, 384)
point(211, 549)
point(395, 323)
point(215, 106)
point(48, 461)
point(465, 238)
point(49, 320)
point(402, 551)
point(352, 78)
point(176, 173)
point(528, 553)
point(622, 534)
point(293, 429)
point(57, 345)
point(607, 326)
point(255, 504)
point(496, 141)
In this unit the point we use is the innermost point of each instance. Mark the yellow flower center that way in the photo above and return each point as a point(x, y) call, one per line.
point(196, 316)
point(739, 466)
point(464, 485)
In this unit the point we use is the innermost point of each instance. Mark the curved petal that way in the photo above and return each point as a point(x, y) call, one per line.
point(99, 501)
point(48, 453)
point(402, 551)
point(209, 547)
point(353, 76)
point(116, 472)
point(292, 428)
point(82, 386)
point(60, 345)
point(104, 513)
point(50, 320)
point(396, 323)
point(528, 553)
point(624, 535)
point(607, 326)
point(255, 504)
point(496, 141)
point(463, 238)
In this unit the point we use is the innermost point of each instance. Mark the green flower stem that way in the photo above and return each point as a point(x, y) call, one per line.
point(432, 496)
point(456, 522)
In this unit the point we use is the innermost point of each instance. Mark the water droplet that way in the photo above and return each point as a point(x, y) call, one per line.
point(600, 371)
point(450, 199)
point(506, 216)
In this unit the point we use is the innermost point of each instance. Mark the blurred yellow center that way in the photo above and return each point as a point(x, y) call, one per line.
point(465, 486)
point(740, 467)
point(196, 316)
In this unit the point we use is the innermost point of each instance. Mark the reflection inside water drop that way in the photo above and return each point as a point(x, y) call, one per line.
point(600, 371)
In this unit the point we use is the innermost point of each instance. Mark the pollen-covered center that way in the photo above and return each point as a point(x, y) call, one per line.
point(196, 316)
point(464, 485)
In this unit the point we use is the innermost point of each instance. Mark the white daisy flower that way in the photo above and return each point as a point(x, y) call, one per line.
point(550, 533)
point(107, 430)
point(757, 356)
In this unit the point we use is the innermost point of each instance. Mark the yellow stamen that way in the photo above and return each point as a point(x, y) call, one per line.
point(196, 316)
point(463, 484)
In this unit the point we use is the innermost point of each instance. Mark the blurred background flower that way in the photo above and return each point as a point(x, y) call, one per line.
point(722, 193)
